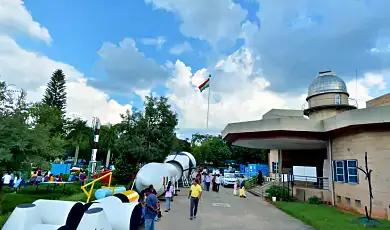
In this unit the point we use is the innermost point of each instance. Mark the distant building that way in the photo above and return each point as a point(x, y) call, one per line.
point(383, 100)
point(332, 135)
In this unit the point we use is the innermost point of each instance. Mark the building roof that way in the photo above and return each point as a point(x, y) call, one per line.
point(275, 113)
point(326, 82)
point(291, 127)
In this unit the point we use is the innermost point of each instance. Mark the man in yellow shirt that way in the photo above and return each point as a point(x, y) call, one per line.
point(194, 196)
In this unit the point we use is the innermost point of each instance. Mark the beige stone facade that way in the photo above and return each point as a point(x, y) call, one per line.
point(353, 146)
point(273, 156)
point(379, 101)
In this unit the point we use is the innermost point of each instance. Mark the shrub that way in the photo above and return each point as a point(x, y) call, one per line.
point(65, 177)
point(315, 200)
point(279, 192)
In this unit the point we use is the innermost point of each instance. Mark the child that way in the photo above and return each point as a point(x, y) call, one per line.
point(235, 188)
point(242, 189)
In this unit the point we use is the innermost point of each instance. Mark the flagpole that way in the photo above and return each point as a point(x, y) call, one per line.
point(208, 105)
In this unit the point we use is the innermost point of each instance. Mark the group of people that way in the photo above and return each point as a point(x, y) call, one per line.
point(151, 211)
point(9, 179)
point(37, 177)
point(215, 182)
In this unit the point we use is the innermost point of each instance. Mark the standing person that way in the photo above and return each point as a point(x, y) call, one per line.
point(194, 196)
point(168, 196)
point(214, 184)
point(218, 182)
point(242, 189)
point(235, 188)
point(260, 178)
point(7, 179)
point(207, 180)
point(152, 190)
point(151, 211)
point(199, 177)
point(82, 177)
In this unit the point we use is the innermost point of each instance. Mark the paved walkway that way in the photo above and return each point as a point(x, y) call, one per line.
point(243, 214)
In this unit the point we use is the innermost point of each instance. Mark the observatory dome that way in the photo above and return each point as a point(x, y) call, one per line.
point(327, 82)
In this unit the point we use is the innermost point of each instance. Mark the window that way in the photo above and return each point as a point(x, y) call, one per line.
point(347, 201)
point(345, 171)
point(337, 99)
point(338, 199)
point(275, 167)
point(352, 171)
point(358, 204)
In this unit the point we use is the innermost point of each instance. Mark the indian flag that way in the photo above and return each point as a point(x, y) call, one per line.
point(205, 84)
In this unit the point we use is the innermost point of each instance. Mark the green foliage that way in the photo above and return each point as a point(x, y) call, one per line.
point(211, 149)
point(79, 137)
point(181, 145)
point(246, 155)
point(281, 193)
point(23, 141)
point(55, 94)
point(65, 177)
point(325, 217)
point(145, 136)
point(315, 200)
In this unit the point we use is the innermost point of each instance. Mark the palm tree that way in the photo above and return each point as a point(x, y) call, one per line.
point(109, 135)
point(79, 135)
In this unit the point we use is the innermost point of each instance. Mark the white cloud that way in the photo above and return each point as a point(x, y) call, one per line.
point(158, 41)
point(181, 48)
point(213, 21)
point(237, 93)
point(14, 18)
point(297, 39)
point(127, 68)
point(31, 72)
point(367, 87)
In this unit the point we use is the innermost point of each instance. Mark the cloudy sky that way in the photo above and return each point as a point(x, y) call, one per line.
point(261, 54)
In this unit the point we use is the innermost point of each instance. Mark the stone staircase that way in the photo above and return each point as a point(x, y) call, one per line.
point(260, 190)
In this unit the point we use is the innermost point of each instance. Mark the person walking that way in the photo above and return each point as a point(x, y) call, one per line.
point(151, 211)
point(218, 182)
point(207, 180)
point(194, 196)
point(168, 196)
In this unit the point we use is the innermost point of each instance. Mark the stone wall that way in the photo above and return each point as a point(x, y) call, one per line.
point(352, 146)
point(379, 101)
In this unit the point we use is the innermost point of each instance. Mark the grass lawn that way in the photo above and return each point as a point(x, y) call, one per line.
point(324, 217)
point(28, 195)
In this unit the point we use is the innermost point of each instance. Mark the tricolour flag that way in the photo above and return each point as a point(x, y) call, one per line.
point(205, 84)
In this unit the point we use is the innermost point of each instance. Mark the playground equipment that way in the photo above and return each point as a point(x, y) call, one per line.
point(177, 168)
point(110, 213)
point(106, 191)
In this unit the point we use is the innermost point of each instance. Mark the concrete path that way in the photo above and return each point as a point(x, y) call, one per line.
point(250, 213)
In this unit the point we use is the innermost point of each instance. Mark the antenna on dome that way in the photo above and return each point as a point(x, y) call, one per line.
point(328, 72)
point(356, 85)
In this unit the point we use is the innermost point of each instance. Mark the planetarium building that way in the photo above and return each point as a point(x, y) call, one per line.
point(328, 138)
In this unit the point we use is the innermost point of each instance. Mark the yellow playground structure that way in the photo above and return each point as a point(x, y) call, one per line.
point(120, 192)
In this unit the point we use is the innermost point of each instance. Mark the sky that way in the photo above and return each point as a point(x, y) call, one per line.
point(261, 54)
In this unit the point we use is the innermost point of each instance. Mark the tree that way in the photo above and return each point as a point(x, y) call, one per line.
point(109, 135)
point(247, 155)
point(214, 150)
point(182, 145)
point(145, 136)
point(23, 142)
point(79, 135)
point(55, 94)
point(48, 115)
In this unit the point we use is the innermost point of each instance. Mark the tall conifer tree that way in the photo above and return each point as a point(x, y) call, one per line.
point(55, 94)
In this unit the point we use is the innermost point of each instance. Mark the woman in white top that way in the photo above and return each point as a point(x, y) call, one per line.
point(169, 190)
point(217, 182)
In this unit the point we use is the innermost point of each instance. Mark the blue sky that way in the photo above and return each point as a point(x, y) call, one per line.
point(262, 54)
